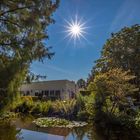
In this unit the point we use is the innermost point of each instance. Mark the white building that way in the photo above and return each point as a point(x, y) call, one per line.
point(56, 89)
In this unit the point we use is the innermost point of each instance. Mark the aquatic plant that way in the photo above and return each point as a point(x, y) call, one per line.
point(57, 122)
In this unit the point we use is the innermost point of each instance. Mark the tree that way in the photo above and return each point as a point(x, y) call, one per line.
point(23, 27)
point(81, 83)
point(91, 76)
point(31, 77)
point(111, 90)
point(122, 50)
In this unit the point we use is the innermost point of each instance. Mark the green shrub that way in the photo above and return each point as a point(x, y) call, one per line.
point(137, 120)
point(7, 115)
point(41, 107)
point(80, 102)
point(24, 107)
point(22, 104)
point(65, 108)
point(37, 108)
point(82, 115)
point(85, 106)
point(51, 122)
point(58, 122)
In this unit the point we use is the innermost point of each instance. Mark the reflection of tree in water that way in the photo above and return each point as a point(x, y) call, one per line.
point(89, 131)
point(92, 134)
point(122, 134)
point(79, 133)
point(9, 132)
point(18, 136)
point(26, 118)
point(112, 133)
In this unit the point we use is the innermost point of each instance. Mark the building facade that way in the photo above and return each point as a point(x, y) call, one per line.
point(56, 89)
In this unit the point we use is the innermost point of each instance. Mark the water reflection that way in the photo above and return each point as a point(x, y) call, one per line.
point(34, 135)
point(24, 129)
point(113, 133)
point(9, 132)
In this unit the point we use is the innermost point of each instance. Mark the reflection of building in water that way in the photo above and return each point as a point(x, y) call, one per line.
point(33, 135)
point(56, 131)
point(56, 89)
point(46, 133)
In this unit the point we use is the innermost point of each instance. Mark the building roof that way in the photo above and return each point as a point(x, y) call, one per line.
point(63, 80)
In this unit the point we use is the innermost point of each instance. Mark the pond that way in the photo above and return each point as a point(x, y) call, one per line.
point(24, 129)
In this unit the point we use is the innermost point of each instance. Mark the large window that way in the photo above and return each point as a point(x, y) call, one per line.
point(57, 93)
point(46, 92)
point(42, 92)
point(36, 93)
point(52, 93)
point(28, 93)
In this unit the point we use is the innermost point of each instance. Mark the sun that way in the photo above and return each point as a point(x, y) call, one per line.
point(75, 29)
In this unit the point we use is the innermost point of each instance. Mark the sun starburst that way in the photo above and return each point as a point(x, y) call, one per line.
point(75, 29)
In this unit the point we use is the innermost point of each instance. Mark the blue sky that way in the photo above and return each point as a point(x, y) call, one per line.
point(102, 17)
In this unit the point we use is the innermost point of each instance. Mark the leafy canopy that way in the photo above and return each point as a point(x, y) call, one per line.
point(81, 83)
point(111, 89)
point(23, 27)
point(122, 50)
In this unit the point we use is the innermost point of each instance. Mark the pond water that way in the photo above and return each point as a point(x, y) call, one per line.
point(24, 129)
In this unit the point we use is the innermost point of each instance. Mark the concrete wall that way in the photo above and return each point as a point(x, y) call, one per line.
point(67, 88)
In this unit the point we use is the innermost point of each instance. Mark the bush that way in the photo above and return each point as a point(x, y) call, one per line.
point(26, 105)
point(137, 120)
point(7, 115)
point(82, 115)
point(22, 104)
point(41, 108)
point(65, 109)
point(27, 98)
point(85, 106)
point(80, 102)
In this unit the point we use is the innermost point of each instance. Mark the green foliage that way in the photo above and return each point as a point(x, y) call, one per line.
point(84, 92)
point(110, 93)
point(51, 122)
point(8, 131)
point(126, 120)
point(58, 122)
point(85, 106)
point(137, 120)
point(116, 76)
point(122, 50)
point(80, 101)
point(90, 106)
point(20, 101)
point(82, 115)
point(7, 116)
point(81, 83)
point(65, 108)
point(24, 106)
point(22, 31)
point(41, 108)
point(27, 106)
point(80, 107)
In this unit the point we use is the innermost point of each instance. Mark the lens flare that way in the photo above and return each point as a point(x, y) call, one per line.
point(75, 29)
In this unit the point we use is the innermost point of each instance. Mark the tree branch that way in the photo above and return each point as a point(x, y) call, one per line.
point(6, 20)
point(13, 10)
